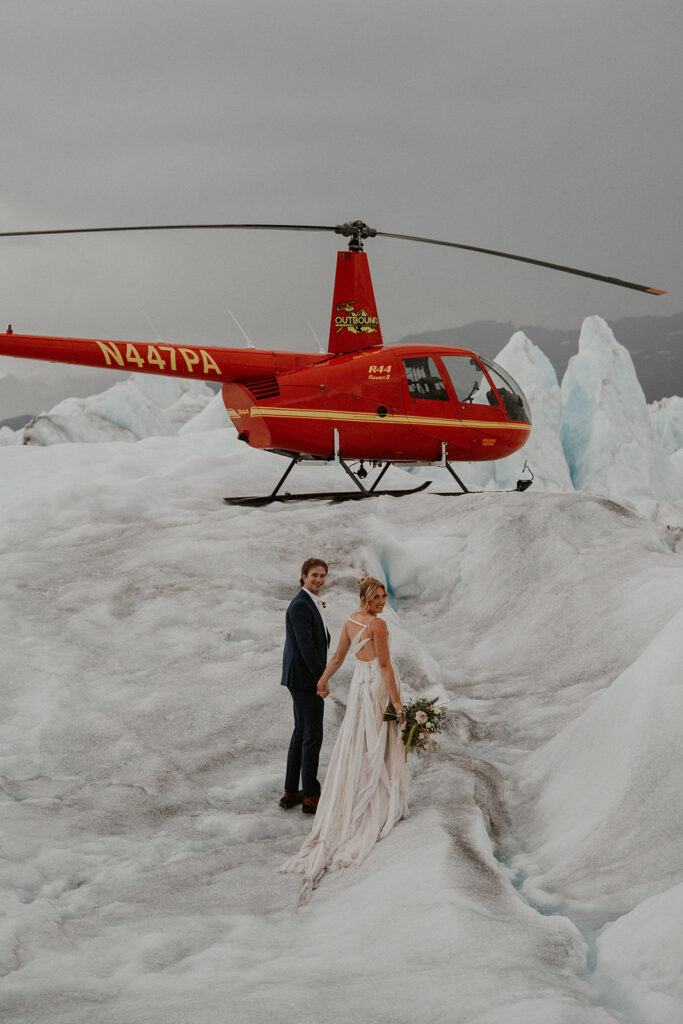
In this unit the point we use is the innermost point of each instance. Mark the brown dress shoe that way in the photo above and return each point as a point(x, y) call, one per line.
point(310, 804)
point(290, 800)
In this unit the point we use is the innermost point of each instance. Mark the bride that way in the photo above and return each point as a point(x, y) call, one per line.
point(366, 788)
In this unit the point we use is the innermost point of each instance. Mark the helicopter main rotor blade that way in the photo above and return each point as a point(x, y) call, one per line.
point(526, 259)
point(168, 227)
point(357, 230)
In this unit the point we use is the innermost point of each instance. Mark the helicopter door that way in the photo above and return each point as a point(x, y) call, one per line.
point(471, 385)
point(429, 402)
point(478, 398)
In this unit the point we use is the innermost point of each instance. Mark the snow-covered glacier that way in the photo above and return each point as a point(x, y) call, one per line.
point(144, 731)
point(667, 419)
point(137, 407)
point(607, 433)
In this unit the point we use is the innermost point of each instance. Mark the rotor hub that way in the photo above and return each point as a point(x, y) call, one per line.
point(355, 231)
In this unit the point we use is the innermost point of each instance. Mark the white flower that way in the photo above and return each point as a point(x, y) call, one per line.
point(420, 717)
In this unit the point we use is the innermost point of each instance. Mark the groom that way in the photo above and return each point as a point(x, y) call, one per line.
point(303, 662)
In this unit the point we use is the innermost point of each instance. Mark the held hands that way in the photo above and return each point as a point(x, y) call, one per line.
point(323, 690)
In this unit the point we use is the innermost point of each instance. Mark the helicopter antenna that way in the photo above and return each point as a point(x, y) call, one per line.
point(151, 324)
point(310, 326)
point(250, 343)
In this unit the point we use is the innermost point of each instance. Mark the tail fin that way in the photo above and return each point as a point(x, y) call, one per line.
point(354, 324)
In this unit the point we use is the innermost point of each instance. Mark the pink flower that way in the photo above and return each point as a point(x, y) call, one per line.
point(421, 717)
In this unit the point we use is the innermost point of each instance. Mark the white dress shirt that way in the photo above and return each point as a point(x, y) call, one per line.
point(319, 605)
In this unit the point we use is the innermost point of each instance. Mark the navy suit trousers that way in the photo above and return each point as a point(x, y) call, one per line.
point(304, 747)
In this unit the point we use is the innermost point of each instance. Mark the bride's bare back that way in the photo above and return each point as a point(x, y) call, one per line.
point(374, 646)
point(355, 626)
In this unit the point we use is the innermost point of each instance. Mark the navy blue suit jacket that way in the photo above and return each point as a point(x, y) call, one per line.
point(306, 642)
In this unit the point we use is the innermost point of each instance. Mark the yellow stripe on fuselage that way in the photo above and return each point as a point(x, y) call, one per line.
point(267, 412)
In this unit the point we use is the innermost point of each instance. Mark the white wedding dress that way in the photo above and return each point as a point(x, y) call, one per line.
point(366, 787)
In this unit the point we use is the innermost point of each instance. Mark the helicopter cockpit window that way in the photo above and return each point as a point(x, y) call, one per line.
point(469, 381)
point(510, 392)
point(424, 379)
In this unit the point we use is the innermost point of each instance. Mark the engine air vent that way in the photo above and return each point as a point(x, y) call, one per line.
point(262, 387)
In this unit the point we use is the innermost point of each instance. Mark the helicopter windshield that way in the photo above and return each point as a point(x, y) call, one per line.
point(469, 381)
point(510, 392)
point(473, 387)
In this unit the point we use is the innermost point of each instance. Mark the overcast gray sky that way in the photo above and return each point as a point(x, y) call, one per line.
point(550, 128)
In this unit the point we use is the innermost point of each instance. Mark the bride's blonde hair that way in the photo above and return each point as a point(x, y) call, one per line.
point(367, 588)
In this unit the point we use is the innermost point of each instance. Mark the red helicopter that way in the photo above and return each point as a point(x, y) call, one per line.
point(359, 402)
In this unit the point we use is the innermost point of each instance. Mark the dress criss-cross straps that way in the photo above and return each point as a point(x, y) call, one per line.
point(355, 646)
point(366, 788)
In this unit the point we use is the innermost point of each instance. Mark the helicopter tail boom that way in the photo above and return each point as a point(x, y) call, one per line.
point(222, 365)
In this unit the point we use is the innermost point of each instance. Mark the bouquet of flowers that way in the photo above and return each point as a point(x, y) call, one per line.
point(423, 721)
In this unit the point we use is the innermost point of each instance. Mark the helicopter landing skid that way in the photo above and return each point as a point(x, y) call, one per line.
point(332, 496)
point(522, 485)
point(363, 491)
